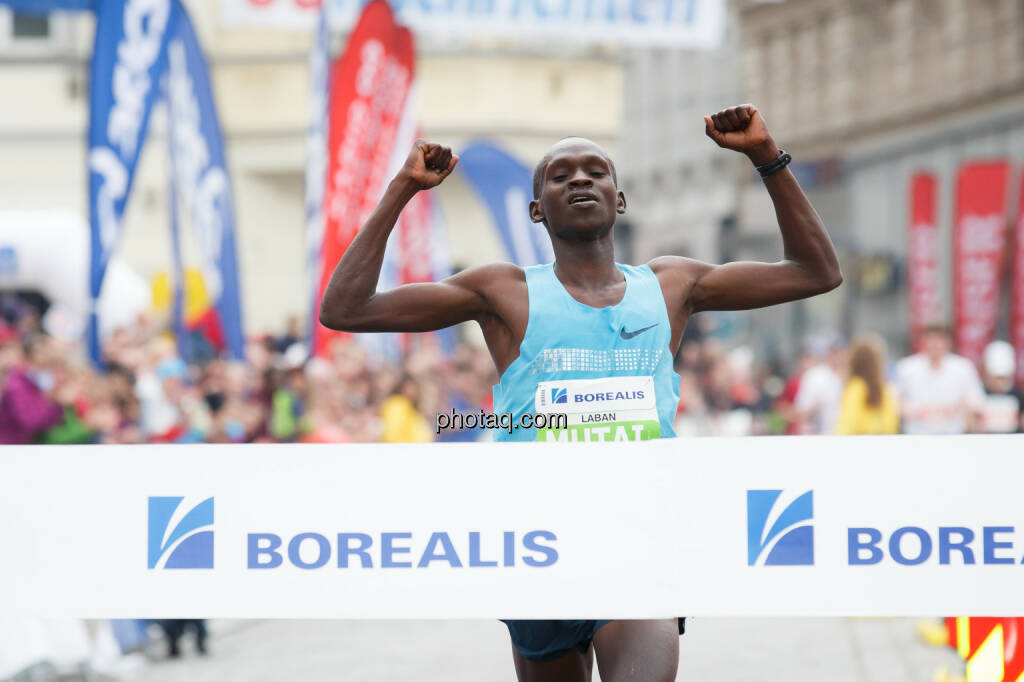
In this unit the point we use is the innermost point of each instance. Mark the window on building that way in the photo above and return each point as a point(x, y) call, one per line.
point(35, 35)
point(29, 26)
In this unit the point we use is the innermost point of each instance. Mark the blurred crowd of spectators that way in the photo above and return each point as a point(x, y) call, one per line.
point(848, 388)
point(149, 394)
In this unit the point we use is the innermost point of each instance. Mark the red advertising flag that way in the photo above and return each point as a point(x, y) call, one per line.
point(389, 105)
point(922, 256)
point(415, 262)
point(1017, 290)
point(978, 240)
point(369, 84)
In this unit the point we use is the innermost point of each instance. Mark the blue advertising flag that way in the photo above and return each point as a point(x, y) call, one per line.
point(42, 7)
point(202, 175)
point(506, 187)
point(129, 56)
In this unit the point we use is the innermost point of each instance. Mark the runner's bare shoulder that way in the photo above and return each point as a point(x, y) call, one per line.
point(502, 290)
point(494, 278)
point(677, 270)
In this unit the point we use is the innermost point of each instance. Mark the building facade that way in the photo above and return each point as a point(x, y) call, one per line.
point(680, 187)
point(864, 93)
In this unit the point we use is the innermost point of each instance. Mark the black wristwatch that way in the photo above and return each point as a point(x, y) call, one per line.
point(780, 162)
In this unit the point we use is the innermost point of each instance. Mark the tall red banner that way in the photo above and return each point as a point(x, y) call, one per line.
point(978, 241)
point(369, 85)
point(415, 236)
point(1017, 289)
point(925, 302)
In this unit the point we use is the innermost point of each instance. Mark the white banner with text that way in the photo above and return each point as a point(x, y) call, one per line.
point(809, 526)
point(694, 24)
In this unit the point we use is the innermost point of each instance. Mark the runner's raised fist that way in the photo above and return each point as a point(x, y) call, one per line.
point(428, 164)
point(742, 129)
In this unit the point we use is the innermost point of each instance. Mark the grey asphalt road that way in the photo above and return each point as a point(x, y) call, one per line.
point(714, 649)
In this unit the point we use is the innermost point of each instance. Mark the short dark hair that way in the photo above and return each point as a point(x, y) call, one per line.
point(542, 166)
point(538, 174)
point(940, 328)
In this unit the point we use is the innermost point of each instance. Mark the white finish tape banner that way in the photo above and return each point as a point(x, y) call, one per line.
point(695, 24)
point(678, 527)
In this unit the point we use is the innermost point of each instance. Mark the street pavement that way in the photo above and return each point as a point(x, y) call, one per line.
point(713, 650)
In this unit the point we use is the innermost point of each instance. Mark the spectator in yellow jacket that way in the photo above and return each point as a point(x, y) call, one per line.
point(402, 421)
point(869, 405)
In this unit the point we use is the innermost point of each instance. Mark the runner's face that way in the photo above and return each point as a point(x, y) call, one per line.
point(578, 198)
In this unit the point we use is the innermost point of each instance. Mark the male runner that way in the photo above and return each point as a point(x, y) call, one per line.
point(586, 326)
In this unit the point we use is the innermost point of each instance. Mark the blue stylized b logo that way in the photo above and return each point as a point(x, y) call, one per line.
point(558, 395)
point(189, 544)
point(789, 540)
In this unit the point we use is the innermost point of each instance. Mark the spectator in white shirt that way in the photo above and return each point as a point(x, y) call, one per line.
point(821, 386)
point(1002, 413)
point(940, 393)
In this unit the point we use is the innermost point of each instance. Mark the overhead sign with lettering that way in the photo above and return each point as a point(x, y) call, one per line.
point(666, 23)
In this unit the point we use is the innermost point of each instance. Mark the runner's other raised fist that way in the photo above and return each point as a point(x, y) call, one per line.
point(428, 164)
point(742, 129)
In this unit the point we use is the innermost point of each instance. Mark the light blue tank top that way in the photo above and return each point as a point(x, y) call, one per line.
point(609, 370)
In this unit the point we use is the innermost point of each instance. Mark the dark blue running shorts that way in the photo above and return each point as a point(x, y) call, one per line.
point(546, 640)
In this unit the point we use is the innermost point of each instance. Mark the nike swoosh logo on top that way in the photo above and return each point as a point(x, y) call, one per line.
point(628, 335)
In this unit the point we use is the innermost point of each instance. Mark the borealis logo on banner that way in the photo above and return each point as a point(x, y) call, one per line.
point(408, 549)
point(179, 536)
point(779, 534)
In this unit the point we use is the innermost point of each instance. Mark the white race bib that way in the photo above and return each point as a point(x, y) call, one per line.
point(599, 410)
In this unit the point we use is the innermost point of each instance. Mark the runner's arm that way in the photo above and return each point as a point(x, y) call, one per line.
point(809, 266)
point(351, 301)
